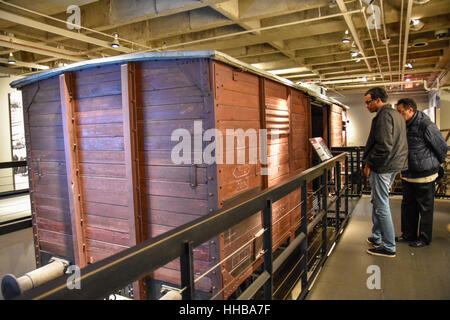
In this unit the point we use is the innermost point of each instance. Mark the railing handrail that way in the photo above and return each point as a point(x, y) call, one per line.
point(134, 263)
point(13, 164)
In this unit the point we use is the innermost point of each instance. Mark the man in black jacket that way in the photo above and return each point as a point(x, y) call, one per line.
point(427, 150)
point(385, 155)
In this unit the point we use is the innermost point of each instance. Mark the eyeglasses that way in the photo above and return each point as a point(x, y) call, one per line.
point(369, 101)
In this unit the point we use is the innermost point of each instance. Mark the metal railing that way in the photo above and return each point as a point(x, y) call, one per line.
point(107, 276)
point(15, 211)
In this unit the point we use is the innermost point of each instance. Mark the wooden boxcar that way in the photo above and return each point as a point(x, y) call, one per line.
point(100, 162)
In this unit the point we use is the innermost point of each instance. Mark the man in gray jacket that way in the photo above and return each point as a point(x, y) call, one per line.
point(385, 155)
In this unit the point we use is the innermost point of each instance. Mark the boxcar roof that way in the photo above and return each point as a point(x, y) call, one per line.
point(169, 55)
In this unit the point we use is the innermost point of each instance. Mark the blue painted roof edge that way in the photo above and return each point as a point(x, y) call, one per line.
point(168, 55)
point(144, 56)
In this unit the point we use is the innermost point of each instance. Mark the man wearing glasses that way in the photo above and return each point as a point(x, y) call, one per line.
point(427, 150)
point(385, 155)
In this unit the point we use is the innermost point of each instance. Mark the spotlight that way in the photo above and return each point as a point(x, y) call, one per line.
point(354, 53)
point(346, 38)
point(364, 79)
point(11, 59)
point(416, 24)
point(358, 60)
point(409, 65)
point(115, 43)
point(408, 80)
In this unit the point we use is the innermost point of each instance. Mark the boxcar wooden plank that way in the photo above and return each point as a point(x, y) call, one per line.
point(174, 174)
point(109, 236)
point(105, 210)
point(171, 96)
point(83, 79)
point(56, 144)
point(108, 223)
point(169, 218)
point(46, 132)
point(173, 189)
point(53, 107)
point(104, 184)
point(181, 205)
point(165, 128)
point(106, 88)
point(104, 157)
point(99, 117)
point(44, 120)
point(100, 250)
point(99, 103)
point(100, 130)
point(101, 143)
point(54, 226)
point(106, 197)
point(102, 170)
point(172, 112)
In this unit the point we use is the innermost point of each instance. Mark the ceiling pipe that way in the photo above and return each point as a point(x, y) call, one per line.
point(405, 43)
point(373, 84)
point(351, 27)
point(386, 40)
point(400, 40)
point(371, 41)
point(288, 24)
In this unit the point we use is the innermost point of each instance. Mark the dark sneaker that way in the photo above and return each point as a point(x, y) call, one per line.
point(418, 244)
point(402, 239)
point(371, 240)
point(382, 252)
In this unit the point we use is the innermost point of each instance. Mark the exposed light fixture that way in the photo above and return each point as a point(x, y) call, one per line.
point(11, 59)
point(354, 53)
point(416, 25)
point(409, 65)
point(115, 43)
point(364, 79)
point(346, 38)
point(408, 80)
point(358, 60)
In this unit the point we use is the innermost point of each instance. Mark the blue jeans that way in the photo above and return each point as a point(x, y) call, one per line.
point(383, 227)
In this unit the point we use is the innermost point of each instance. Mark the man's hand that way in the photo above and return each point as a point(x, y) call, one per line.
point(366, 171)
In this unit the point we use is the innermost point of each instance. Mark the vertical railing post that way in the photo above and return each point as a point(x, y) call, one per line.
point(304, 229)
point(325, 208)
point(187, 271)
point(352, 160)
point(267, 247)
point(338, 194)
point(346, 189)
point(360, 170)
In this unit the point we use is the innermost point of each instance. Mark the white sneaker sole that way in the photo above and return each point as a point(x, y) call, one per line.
point(380, 254)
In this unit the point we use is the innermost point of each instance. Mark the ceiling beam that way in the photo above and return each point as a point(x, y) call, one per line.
point(4, 15)
point(18, 44)
point(25, 64)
